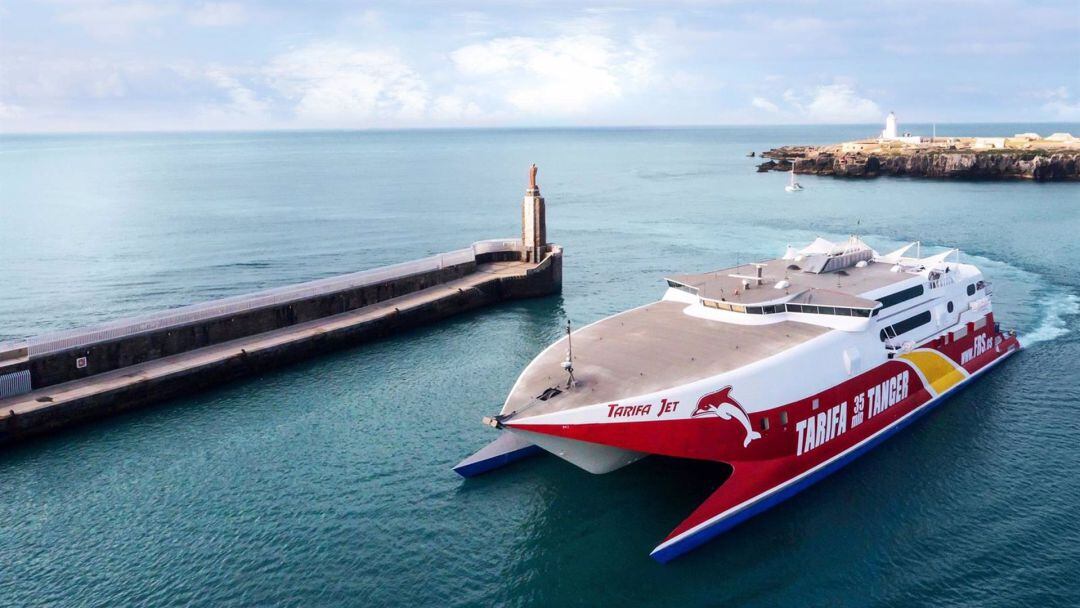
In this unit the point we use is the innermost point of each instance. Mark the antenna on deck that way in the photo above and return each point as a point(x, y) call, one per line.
point(568, 365)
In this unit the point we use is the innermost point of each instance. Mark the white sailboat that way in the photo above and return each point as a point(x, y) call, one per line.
point(793, 186)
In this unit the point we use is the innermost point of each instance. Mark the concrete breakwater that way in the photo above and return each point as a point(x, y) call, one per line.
point(1023, 158)
point(51, 381)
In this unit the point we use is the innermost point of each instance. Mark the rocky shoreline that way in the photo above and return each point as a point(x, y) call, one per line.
point(996, 164)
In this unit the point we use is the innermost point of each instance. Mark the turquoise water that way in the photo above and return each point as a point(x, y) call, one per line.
point(329, 483)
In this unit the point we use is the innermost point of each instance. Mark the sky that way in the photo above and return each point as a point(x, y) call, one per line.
point(135, 65)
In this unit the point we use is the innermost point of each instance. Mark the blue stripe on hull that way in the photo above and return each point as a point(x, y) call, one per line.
point(480, 467)
point(701, 537)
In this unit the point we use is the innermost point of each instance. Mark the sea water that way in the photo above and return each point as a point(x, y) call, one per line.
point(328, 483)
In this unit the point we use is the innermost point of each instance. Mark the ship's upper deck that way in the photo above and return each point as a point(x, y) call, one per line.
point(644, 350)
point(692, 334)
point(742, 285)
point(821, 274)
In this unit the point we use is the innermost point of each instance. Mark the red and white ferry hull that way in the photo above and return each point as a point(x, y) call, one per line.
point(774, 452)
point(784, 371)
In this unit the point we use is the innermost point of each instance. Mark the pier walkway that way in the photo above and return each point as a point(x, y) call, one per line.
point(158, 369)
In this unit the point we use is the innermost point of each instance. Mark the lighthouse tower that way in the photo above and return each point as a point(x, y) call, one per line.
point(533, 226)
point(890, 127)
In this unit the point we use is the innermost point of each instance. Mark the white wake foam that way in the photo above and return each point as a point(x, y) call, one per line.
point(1054, 323)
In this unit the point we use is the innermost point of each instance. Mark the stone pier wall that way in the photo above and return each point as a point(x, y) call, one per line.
point(542, 280)
point(58, 367)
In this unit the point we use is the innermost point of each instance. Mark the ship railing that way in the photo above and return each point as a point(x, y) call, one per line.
point(74, 338)
point(945, 280)
point(496, 246)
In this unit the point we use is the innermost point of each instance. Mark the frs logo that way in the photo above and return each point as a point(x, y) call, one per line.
point(723, 406)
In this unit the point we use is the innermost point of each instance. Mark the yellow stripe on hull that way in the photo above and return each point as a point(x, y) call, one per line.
point(940, 371)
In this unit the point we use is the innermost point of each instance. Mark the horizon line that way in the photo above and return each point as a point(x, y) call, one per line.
point(502, 128)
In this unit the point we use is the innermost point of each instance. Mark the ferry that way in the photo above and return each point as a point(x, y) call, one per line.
point(785, 370)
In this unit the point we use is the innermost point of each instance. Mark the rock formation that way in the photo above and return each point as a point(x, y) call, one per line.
point(929, 162)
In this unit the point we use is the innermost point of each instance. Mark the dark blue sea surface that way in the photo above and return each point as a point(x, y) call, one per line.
point(328, 483)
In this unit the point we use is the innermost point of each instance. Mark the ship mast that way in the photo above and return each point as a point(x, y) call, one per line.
point(568, 365)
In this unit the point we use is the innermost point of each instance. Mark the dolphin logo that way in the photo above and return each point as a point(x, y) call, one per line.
point(722, 405)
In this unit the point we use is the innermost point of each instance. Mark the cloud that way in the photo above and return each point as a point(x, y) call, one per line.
point(833, 103)
point(765, 104)
point(568, 74)
point(338, 84)
point(1059, 103)
point(243, 102)
point(981, 49)
point(108, 20)
point(454, 107)
point(36, 79)
point(218, 14)
point(10, 111)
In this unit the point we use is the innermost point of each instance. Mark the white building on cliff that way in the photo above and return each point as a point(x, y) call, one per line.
point(890, 133)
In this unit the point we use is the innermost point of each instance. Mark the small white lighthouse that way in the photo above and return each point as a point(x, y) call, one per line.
point(890, 127)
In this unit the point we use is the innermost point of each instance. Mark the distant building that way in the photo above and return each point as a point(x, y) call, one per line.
point(1063, 137)
point(862, 145)
point(989, 143)
point(890, 133)
point(1027, 136)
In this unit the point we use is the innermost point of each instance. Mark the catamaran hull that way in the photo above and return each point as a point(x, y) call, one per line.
point(678, 544)
point(777, 452)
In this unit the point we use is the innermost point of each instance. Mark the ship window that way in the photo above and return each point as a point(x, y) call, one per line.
point(765, 423)
point(794, 307)
point(737, 308)
point(949, 307)
point(901, 296)
point(811, 310)
point(754, 310)
point(860, 312)
point(682, 287)
point(971, 289)
point(827, 310)
point(906, 325)
point(783, 418)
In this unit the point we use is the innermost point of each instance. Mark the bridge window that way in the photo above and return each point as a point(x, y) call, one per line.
point(901, 296)
point(971, 289)
point(682, 287)
point(905, 326)
point(839, 311)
